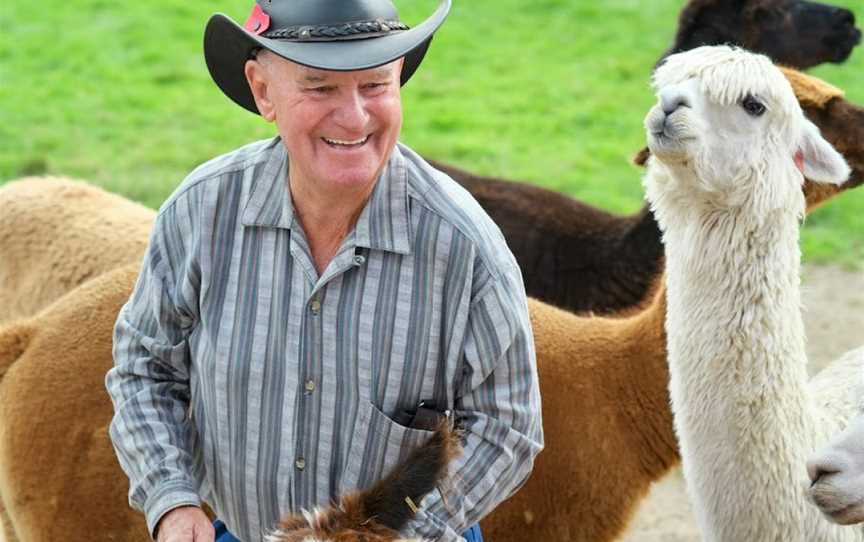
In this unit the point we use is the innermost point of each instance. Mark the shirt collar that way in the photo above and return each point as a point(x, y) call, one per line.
point(269, 202)
point(384, 223)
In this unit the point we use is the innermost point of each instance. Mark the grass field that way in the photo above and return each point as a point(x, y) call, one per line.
point(548, 91)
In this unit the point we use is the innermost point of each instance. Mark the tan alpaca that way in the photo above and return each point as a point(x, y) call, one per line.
point(59, 477)
point(55, 233)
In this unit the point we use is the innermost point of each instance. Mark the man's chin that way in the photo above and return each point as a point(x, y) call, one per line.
point(351, 179)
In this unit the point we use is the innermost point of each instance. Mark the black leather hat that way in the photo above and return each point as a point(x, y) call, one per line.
point(341, 35)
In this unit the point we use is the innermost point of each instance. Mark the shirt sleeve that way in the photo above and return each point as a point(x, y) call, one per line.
point(498, 407)
point(149, 383)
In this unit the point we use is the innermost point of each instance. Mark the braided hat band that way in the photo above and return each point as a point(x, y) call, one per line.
point(346, 31)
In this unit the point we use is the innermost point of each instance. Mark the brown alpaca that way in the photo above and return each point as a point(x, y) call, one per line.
point(59, 477)
point(583, 259)
point(56, 233)
point(380, 512)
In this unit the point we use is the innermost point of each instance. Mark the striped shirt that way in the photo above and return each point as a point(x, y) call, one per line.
point(245, 379)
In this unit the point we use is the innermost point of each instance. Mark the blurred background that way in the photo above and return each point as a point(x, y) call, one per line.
point(548, 91)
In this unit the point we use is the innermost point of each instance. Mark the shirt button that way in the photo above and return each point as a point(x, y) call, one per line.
point(359, 259)
point(315, 307)
point(310, 386)
point(300, 463)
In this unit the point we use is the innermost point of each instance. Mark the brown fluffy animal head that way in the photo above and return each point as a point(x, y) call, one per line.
point(840, 122)
point(792, 32)
point(378, 513)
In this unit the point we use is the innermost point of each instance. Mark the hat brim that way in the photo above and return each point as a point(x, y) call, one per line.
point(227, 47)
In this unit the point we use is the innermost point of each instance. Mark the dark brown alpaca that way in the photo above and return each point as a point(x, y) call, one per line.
point(584, 259)
point(792, 32)
point(379, 513)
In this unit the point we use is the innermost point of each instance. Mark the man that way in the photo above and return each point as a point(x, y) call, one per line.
point(305, 298)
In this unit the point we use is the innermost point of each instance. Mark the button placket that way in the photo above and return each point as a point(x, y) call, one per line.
point(308, 383)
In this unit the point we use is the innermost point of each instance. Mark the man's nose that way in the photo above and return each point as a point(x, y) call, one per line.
point(671, 99)
point(351, 112)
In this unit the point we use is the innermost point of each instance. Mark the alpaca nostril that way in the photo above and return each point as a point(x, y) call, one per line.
point(817, 470)
point(673, 104)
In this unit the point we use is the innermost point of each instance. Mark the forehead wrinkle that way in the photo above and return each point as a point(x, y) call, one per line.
point(313, 75)
point(382, 71)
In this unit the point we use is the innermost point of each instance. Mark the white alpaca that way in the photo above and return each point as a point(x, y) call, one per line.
point(726, 137)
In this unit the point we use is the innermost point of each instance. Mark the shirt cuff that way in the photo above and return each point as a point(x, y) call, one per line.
point(168, 497)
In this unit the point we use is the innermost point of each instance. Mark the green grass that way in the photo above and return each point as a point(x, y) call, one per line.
point(548, 91)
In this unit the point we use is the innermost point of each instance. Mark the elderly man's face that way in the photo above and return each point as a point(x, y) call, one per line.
point(339, 127)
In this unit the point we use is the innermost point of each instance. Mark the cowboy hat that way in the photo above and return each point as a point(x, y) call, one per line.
point(341, 35)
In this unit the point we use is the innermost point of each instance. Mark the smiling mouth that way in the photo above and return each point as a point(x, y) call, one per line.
point(341, 143)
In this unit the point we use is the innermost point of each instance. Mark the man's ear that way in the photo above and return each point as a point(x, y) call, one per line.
point(256, 76)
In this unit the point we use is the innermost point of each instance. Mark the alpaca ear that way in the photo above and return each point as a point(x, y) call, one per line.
point(822, 163)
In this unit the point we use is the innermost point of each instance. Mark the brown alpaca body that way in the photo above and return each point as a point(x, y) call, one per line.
point(59, 477)
point(584, 259)
point(607, 425)
point(56, 233)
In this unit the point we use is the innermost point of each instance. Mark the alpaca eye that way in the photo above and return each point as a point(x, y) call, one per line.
point(752, 106)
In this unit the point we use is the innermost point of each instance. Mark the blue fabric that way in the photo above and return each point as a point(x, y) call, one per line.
point(473, 533)
point(222, 534)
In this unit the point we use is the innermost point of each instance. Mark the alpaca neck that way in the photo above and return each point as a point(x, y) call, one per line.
point(738, 373)
point(735, 281)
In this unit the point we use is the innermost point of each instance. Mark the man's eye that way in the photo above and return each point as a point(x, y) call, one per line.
point(375, 85)
point(320, 90)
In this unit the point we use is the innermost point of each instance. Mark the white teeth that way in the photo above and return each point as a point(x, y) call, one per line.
point(345, 143)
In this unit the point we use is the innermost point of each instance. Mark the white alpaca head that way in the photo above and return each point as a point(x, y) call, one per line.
point(727, 132)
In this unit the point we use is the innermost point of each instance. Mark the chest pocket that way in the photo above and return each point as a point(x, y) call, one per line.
point(377, 445)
